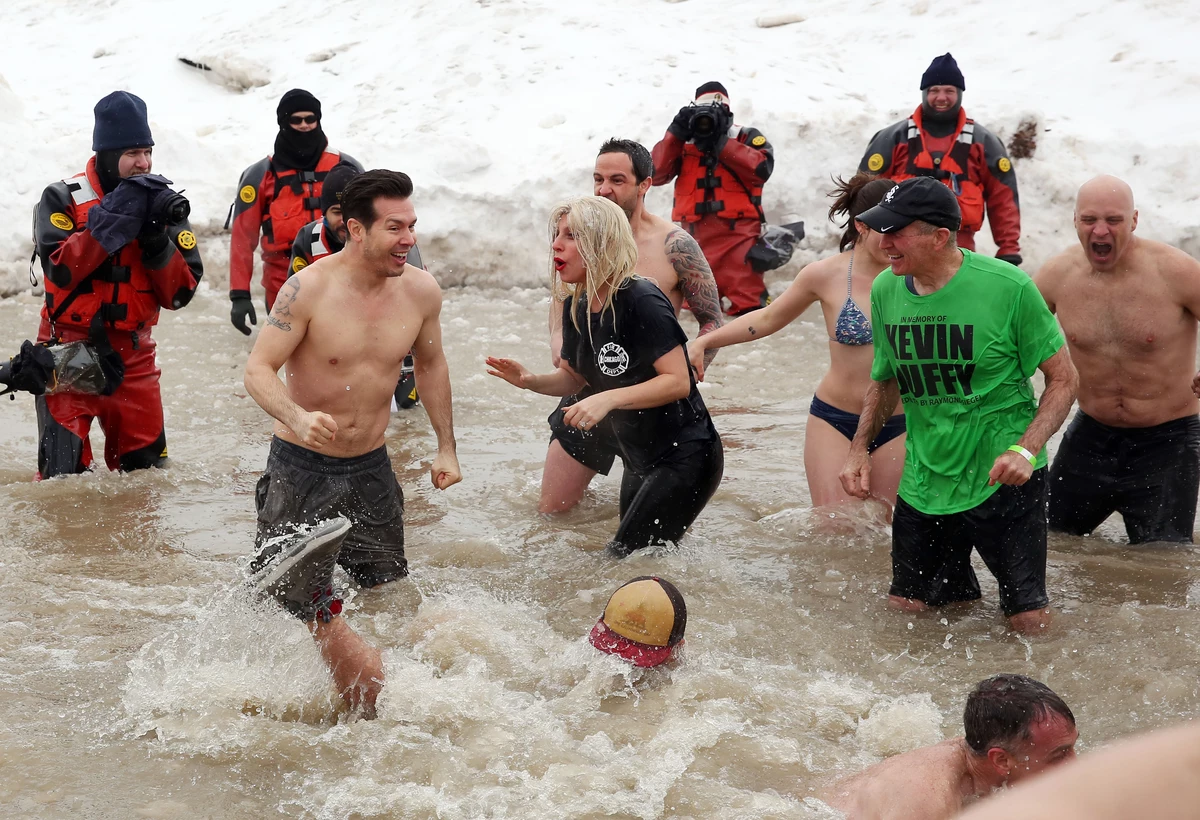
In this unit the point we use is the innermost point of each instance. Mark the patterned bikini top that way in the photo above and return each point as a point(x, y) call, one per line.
point(852, 326)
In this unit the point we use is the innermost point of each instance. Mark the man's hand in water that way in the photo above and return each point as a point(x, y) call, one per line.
point(315, 429)
point(445, 471)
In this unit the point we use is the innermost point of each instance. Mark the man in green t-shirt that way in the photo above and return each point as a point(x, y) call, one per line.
point(957, 337)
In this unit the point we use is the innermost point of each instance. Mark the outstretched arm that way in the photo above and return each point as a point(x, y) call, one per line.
point(696, 283)
point(285, 329)
point(562, 382)
point(433, 383)
point(757, 324)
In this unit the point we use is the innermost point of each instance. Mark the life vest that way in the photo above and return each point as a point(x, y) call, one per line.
point(951, 168)
point(317, 247)
point(119, 290)
point(706, 187)
point(295, 202)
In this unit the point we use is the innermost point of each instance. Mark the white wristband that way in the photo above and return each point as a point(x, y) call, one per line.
point(1017, 448)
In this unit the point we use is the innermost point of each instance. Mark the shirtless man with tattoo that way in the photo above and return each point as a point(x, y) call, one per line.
point(1129, 308)
point(341, 328)
point(670, 257)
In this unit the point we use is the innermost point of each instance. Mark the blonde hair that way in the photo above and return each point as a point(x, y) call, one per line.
point(605, 242)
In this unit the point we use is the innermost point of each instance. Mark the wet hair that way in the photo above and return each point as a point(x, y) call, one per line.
point(643, 165)
point(853, 196)
point(1002, 709)
point(358, 198)
point(606, 245)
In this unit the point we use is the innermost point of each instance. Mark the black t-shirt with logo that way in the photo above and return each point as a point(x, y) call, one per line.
point(621, 351)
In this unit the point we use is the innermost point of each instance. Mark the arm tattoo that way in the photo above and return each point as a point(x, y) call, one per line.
point(753, 332)
point(282, 311)
point(697, 283)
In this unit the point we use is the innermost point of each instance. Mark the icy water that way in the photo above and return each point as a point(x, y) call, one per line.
point(136, 680)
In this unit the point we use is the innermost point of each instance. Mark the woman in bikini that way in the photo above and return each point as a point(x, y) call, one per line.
point(842, 284)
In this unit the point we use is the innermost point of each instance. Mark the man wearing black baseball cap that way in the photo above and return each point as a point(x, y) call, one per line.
point(958, 337)
point(941, 142)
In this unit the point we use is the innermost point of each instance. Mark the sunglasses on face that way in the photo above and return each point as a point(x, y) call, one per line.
point(311, 119)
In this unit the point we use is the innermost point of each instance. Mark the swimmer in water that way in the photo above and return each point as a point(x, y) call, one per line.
point(1129, 308)
point(842, 286)
point(1151, 775)
point(1015, 728)
point(643, 622)
point(622, 342)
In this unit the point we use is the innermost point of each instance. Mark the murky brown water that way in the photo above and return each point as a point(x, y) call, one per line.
point(136, 679)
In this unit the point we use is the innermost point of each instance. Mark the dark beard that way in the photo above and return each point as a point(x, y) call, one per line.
point(298, 150)
point(939, 123)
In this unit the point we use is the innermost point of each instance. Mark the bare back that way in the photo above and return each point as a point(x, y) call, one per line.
point(1132, 333)
point(931, 783)
point(353, 333)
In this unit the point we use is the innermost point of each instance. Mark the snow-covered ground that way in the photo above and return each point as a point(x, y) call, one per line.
point(496, 107)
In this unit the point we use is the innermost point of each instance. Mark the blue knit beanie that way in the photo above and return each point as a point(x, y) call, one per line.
point(121, 123)
point(943, 71)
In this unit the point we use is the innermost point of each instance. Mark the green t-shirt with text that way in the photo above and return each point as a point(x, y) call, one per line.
point(963, 356)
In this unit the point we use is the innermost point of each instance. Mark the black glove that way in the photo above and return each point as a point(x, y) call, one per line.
point(153, 241)
point(681, 126)
point(243, 306)
point(1010, 258)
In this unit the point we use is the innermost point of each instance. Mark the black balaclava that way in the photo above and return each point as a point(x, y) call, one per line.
point(943, 70)
point(108, 168)
point(298, 150)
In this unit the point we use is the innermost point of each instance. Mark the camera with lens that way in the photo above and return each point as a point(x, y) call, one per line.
point(709, 122)
point(170, 208)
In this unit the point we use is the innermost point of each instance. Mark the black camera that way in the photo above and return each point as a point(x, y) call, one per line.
point(710, 121)
point(169, 208)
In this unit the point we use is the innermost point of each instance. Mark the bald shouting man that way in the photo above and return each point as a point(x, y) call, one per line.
point(1129, 308)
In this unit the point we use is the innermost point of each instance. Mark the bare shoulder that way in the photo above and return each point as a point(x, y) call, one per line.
point(1171, 260)
point(420, 285)
point(677, 241)
point(1058, 269)
point(1180, 272)
point(817, 277)
point(664, 227)
point(917, 785)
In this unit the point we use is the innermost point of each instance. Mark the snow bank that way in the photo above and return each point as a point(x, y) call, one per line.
point(496, 107)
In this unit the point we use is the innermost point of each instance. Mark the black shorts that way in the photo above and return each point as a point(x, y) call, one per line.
point(588, 448)
point(1150, 475)
point(300, 486)
point(931, 554)
point(659, 506)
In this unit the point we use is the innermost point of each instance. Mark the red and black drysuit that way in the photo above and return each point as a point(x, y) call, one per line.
point(718, 200)
point(276, 204)
point(124, 291)
point(970, 160)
